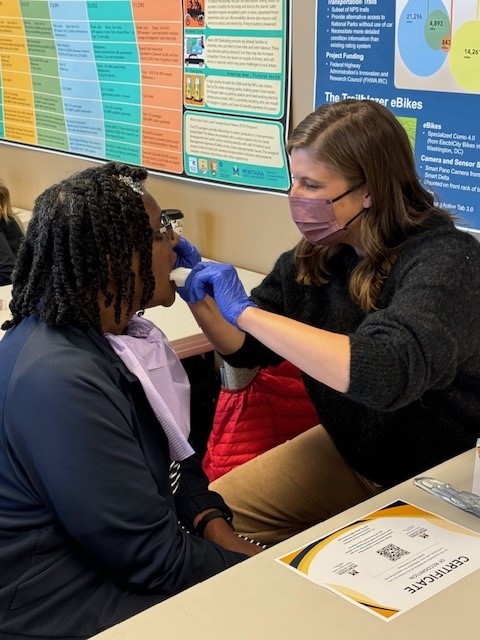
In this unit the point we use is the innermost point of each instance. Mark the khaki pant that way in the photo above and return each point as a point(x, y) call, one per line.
point(292, 487)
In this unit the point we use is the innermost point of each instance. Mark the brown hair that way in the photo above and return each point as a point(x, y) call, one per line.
point(364, 141)
point(5, 204)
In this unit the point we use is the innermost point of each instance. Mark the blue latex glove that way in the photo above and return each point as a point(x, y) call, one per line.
point(220, 281)
point(186, 292)
point(187, 254)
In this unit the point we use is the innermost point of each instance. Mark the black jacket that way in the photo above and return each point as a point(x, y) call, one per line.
point(89, 531)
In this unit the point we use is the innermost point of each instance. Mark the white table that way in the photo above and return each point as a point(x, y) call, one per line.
point(261, 599)
point(176, 321)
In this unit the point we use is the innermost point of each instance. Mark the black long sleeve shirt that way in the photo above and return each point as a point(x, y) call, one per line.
point(10, 238)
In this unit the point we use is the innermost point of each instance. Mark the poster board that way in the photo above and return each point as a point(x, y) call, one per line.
point(421, 60)
point(193, 89)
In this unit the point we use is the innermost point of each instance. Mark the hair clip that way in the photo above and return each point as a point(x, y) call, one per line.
point(134, 186)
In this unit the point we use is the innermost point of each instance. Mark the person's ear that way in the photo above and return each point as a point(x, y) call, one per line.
point(367, 201)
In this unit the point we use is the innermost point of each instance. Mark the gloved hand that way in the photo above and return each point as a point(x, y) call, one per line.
point(220, 281)
point(187, 254)
point(186, 292)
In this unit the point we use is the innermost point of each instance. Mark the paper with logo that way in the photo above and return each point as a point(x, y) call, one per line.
point(390, 560)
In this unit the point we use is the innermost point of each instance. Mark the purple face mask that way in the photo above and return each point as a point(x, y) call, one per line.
point(316, 220)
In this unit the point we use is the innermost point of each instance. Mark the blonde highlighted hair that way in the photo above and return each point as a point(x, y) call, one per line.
point(364, 141)
point(6, 211)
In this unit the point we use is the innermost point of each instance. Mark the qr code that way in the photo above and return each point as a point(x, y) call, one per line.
point(392, 552)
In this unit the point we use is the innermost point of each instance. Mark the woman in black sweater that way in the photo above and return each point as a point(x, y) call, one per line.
point(378, 305)
point(10, 236)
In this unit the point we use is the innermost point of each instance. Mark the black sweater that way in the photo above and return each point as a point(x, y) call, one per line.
point(414, 394)
point(10, 238)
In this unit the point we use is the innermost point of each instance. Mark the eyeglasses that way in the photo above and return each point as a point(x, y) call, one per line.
point(165, 229)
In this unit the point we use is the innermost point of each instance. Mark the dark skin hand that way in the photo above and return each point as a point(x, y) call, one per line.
point(220, 532)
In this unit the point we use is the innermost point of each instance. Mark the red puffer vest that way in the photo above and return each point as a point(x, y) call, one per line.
point(272, 408)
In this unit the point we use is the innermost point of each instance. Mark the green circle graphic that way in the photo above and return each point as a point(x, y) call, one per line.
point(437, 27)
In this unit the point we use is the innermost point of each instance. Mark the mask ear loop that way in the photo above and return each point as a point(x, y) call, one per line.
point(354, 218)
point(345, 193)
point(354, 188)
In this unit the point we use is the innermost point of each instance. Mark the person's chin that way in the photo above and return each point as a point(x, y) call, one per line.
point(171, 298)
point(165, 300)
point(171, 301)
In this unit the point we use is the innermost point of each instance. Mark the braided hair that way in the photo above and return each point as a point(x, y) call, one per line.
point(83, 232)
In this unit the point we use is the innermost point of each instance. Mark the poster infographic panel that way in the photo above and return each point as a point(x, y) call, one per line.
point(421, 59)
point(190, 88)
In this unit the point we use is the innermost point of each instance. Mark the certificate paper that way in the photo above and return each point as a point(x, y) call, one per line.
point(390, 560)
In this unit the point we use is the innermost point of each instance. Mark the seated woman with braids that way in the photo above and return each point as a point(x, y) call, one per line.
point(94, 406)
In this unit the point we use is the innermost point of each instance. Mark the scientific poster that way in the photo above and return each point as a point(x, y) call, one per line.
point(421, 59)
point(191, 88)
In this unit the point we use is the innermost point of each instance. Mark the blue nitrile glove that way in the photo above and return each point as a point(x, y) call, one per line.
point(186, 292)
point(187, 254)
point(220, 281)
